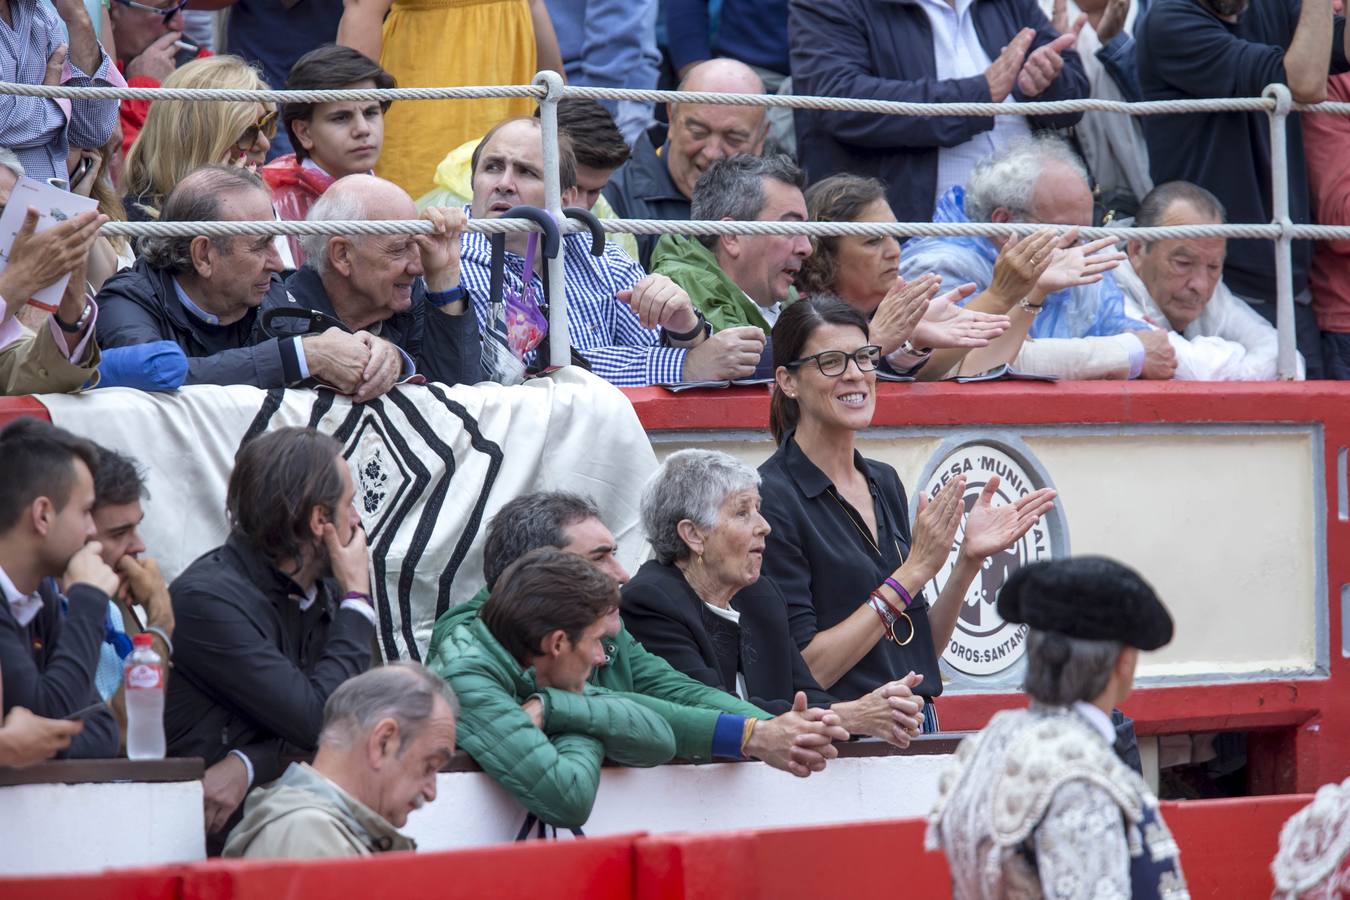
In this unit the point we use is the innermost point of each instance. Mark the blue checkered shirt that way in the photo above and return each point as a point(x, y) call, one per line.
point(36, 129)
point(602, 328)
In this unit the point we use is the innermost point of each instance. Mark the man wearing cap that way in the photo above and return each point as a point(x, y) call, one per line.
point(1038, 804)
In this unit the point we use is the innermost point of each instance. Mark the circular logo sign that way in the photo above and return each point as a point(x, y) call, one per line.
point(984, 644)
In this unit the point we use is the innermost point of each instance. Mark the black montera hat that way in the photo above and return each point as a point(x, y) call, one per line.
point(1087, 597)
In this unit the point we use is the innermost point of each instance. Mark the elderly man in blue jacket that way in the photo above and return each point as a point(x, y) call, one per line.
point(962, 51)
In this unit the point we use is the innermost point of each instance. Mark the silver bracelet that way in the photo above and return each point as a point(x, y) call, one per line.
point(162, 635)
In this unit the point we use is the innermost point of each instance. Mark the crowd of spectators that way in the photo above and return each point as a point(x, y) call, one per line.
point(784, 609)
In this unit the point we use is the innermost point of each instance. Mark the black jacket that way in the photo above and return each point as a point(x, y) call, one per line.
point(444, 348)
point(883, 50)
point(139, 305)
point(662, 611)
point(48, 666)
point(643, 189)
point(251, 669)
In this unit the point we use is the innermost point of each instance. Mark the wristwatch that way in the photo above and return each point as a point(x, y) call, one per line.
point(445, 298)
point(78, 325)
point(699, 328)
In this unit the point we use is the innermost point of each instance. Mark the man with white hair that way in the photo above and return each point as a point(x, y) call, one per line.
point(1075, 317)
point(1176, 285)
point(386, 734)
point(401, 293)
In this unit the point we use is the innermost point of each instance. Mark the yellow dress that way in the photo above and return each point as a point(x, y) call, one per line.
point(450, 43)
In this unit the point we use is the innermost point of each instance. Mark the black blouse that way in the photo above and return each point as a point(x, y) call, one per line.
point(821, 557)
point(662, 611)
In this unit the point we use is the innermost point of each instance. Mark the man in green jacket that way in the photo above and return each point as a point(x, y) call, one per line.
point(520, 670)
point(707, 723)
point(735, 279)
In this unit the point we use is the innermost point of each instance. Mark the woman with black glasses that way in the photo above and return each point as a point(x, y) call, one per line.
point(841, 549)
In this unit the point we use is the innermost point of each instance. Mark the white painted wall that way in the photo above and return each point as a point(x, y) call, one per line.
point(64, 829)
point(74, 828)
point(471, 810)
point(1223, 523)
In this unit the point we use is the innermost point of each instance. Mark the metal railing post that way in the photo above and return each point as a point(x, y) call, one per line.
point(1286, 366)
point(559, 340)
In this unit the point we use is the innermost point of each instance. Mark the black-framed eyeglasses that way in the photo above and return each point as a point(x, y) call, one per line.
point(165, 14)
point(833, 363)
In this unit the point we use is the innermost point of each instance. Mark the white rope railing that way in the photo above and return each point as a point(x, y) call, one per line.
point(662, 226)
point(841, 104)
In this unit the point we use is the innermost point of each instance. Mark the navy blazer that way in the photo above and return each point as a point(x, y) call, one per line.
point(662, 611)
point(883, 50)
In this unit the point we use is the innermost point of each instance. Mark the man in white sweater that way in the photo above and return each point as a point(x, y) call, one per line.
point(1176, 286)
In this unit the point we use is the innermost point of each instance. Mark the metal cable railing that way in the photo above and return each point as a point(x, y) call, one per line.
point(548, 88)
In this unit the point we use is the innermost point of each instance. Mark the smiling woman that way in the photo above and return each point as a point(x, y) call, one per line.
point(841, 550)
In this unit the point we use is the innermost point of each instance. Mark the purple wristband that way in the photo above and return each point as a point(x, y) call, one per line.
point(899, 591)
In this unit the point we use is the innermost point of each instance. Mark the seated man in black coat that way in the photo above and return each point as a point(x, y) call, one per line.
point(203, 294)
point(48, 657)
point(404, 288)
point(268, 625)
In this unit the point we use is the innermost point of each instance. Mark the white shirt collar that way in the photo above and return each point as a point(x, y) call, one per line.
point(1099, 720)
point(23, 608)
point(731, 615)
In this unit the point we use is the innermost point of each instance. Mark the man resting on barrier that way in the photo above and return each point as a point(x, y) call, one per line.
point(386, 734)
point(520, 669)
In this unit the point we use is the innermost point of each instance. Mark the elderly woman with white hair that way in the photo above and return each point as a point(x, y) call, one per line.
point(702, 606)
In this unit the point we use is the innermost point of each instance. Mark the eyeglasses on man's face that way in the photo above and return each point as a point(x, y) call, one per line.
point(166, 13)
point(833, 363)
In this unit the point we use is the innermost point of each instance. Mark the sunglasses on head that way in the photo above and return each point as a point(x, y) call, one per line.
point(266, 126)
point(165, 14)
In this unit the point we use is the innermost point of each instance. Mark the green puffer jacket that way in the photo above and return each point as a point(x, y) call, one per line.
point(690, 707)
point(685, 261)
point(555, 771)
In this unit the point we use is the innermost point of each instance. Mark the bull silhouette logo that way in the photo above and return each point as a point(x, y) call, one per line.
point(983, 644)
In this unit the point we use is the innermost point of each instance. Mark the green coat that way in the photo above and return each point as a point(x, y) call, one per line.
point(554, 771)
point(689, 706)
point(685, 261)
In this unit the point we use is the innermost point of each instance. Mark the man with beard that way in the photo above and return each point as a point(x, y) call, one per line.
point(270, 623)
point(1193, 49)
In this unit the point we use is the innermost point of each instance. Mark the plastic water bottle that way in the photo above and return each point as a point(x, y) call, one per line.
point(143, 675)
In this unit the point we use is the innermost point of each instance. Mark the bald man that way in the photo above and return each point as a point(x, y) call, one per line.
point(400, 293)
point(659, 184)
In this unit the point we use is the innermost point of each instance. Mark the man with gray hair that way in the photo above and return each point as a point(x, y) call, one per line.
point(1038, 803)
point(658, 182)
point(1176, 285)
point(1073, 323)
point(740, 280)
point(386, 734)
point(400, 293)
point(201, 295)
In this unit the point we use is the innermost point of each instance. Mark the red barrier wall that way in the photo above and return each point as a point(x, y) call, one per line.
point(1300, 727)
point(1226, 850)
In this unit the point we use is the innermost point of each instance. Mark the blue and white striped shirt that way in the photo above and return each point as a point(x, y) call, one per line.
point(602, 328)
point(41, 131)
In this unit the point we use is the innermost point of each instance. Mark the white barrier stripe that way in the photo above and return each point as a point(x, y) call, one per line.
point(883, 107)
point(657, 226)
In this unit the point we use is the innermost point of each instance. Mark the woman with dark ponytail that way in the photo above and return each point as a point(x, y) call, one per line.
point(841, 549)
